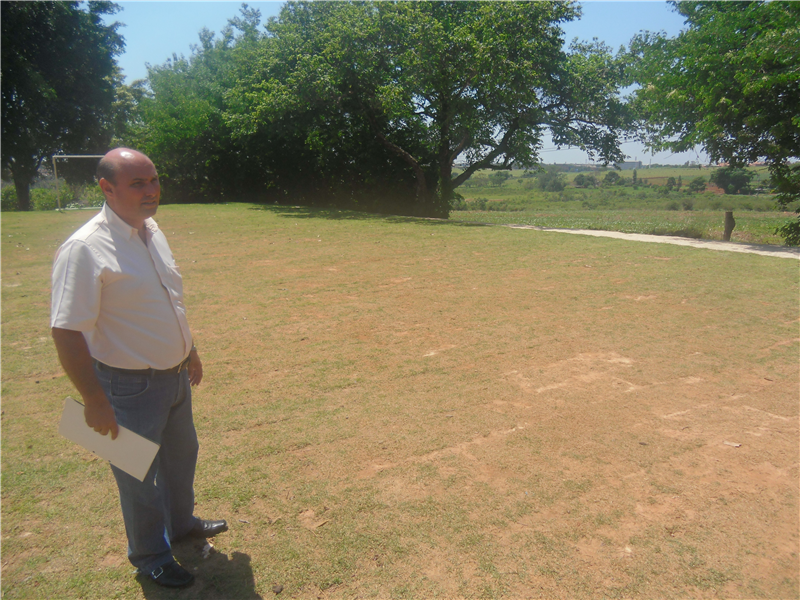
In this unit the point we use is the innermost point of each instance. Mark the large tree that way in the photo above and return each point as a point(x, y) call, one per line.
point(178, 119)
point(58, 84)
point(729, 82)
point(429, 82)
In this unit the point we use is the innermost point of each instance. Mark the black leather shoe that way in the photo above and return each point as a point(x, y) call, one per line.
point(207, 529)
point(172, 575)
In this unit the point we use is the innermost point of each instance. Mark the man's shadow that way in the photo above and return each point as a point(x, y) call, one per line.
point(216, 577)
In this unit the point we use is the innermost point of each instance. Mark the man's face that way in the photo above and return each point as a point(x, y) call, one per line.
point(135, 193)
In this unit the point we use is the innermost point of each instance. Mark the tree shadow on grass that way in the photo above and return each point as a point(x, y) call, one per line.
point(335, 214)
point(217, 577)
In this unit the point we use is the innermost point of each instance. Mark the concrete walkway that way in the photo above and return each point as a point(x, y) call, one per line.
point(765, 250)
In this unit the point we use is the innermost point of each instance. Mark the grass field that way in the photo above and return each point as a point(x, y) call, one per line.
point(751, 227)
point(649, 209)
point(401, 408)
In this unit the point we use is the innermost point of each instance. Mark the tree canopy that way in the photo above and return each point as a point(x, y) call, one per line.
point(369, 104)
point(58, 84)
point(729, 82)
point(429, 82)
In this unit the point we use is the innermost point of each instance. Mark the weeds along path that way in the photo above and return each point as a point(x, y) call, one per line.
point(763, 249)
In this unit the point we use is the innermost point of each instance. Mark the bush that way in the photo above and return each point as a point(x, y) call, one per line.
point(478, 181)
point(733, 180)
point(551, 180)
point(698, 184)
point(44, 200)
point(583, 181)
point(89, 195)
point(790, 232)
point(498, 178)
point(611, 178)
point(9, 199)
point(47, 198)
point(477, 204)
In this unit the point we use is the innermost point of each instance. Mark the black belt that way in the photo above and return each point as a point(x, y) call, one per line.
point(147, 372)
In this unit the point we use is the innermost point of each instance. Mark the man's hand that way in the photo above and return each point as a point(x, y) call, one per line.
point(195, 368)
point(100, 416)
point(73, 352)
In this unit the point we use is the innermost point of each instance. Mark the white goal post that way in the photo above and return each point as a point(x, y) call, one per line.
point(55, 170)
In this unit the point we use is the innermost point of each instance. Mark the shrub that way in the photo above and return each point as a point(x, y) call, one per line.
point(790, 232)
point(479, 181)
point(698, 184)
point(733, 180)
point(44, 199)
point(611, 178)
point(583, 181)
point(551, 180)
point(458, 203)
point(9, 199)
point(498, 178)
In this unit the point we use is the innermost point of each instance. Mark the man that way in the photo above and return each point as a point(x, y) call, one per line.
point(119, 326)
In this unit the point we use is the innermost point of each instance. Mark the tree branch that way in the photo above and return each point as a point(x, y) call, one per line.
point(488, 161)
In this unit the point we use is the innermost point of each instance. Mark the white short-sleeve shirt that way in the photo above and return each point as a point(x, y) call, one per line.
point(124, 296)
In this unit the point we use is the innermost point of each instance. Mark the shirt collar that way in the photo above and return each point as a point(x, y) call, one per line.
point(115, 222)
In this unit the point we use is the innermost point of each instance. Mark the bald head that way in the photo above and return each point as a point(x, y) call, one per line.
point(115, 160)
point(130, 183)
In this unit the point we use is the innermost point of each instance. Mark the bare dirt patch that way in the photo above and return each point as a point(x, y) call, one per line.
point(414, 409)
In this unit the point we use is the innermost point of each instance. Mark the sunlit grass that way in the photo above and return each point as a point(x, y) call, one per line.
point(398, 407)
point(751, 227)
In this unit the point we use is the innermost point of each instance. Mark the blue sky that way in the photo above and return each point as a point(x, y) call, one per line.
point(153, 31)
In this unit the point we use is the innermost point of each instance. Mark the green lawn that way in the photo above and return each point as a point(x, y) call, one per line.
point(404, 408)
point(751, 227)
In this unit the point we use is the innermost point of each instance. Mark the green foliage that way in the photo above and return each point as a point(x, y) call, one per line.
point(729, 82)
point(698, 184)
point(417, 84)
point(790, 232)
point(584, 181)
point(611, 178)
point(498, 178)
point(8, 198)
point(551, 180)
point(47, 198)
point(58, 90)
point(732, 180)
point(178, 122)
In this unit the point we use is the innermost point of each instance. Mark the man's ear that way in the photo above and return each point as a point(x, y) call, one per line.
point(106, 186)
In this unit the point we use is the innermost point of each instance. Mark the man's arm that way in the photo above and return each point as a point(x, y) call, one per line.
point(73, 352)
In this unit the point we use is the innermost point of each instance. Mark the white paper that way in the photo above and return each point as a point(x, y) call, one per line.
point(130, 452)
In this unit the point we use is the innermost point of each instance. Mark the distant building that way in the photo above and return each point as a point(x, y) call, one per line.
point(629, 166)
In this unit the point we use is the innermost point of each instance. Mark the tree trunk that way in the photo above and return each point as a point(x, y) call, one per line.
point(729, 225)
point(22, 185)
point(445, 176)
point(445, 161)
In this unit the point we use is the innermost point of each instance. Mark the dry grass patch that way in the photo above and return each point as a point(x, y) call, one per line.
point(402, 408)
